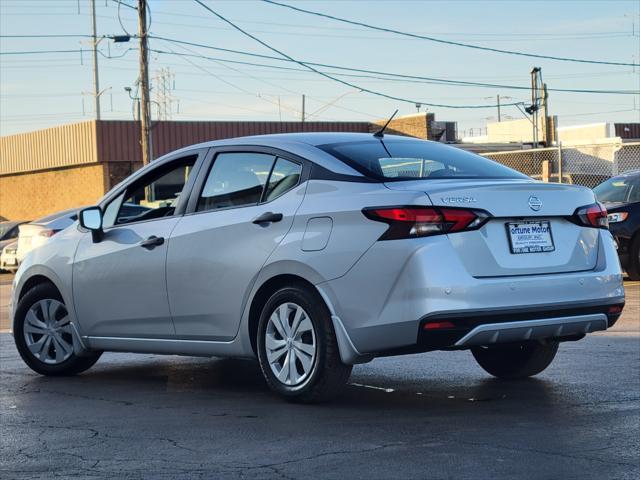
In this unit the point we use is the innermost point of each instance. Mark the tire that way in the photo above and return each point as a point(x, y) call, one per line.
point(319, 374)
point(56, 360)
point(633, 269)
point(516, 361)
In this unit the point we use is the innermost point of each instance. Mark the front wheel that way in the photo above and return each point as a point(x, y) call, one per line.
point(44, 335)
point(297, 347)
point(516, 361)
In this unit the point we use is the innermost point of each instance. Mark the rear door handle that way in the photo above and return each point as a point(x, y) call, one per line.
point(152, 242)
point(267, 217)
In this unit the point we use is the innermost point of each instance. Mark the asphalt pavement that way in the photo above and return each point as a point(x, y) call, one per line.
point(435, 415)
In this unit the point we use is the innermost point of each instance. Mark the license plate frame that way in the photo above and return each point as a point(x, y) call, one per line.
point(539, 242)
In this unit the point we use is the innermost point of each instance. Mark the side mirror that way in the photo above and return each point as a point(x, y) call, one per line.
point(91, 219)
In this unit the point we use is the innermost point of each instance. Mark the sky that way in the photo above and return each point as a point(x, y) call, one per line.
point(47, 89)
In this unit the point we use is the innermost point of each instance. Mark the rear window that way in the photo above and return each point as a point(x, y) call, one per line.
point(391, 160)
point(619, 190)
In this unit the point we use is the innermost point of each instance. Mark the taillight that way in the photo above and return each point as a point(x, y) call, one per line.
point(408, 222)
point(48, 233)
point(592, 216)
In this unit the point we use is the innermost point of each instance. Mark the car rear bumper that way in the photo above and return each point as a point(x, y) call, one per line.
point(383, 307)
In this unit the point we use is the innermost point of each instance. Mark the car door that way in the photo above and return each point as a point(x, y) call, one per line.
point(119, 282)
point(238, 215)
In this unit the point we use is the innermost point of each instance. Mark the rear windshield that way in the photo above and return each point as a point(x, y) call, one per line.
point(619, 190)
point(407, 160)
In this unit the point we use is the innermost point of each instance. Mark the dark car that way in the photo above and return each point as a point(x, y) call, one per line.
point(621, 196)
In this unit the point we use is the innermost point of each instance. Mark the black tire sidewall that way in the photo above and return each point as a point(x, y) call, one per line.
point(72, 365)
point(318, 315)
point(516, 361)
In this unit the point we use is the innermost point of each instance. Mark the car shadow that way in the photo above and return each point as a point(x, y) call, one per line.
point(209, 380)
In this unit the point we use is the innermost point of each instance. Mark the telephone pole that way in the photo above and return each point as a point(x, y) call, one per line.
point(94, 44)
point(304, 97)
point(498, 104)
point(145, 120)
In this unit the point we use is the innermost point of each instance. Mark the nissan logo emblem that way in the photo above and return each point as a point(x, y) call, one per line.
point(534, 203)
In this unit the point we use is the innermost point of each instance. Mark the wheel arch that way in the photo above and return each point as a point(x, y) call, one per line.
point(266, 289)
point(348, 352)
point(33, 281)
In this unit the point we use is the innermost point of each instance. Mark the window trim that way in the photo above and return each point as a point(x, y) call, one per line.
point(207, 165)
point(201, 155)
point(266, 185)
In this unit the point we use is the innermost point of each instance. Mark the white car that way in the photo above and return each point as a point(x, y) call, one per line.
point(36, 233)
point(9, 257)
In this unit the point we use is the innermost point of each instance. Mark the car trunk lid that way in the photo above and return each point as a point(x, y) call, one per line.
point(516, 207)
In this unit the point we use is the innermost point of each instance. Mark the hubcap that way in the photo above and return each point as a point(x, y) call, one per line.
point(47, 332)
point(290, 343)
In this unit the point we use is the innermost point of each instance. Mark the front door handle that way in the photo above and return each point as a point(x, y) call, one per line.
point(267, 217)
point(152, 242)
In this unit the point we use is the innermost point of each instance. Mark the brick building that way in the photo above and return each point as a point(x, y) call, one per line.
point(74, 165)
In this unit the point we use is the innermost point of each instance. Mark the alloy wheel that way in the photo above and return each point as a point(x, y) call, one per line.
point(290, 343)
point(47, 331)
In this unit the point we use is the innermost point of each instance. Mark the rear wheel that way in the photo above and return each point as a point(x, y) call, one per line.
point(297, 347)
point(516, 361)
point(43, 334)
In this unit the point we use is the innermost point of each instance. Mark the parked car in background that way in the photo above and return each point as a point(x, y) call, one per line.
point(8, 232)
point(9, 257)
point(621, 196)
point(36, 233)
point(314, 252)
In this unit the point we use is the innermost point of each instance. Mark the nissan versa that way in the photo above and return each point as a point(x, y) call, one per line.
point(314, 252)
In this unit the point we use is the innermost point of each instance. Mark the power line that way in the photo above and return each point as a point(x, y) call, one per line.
point(35, 52)
point(343, 82)
point(63, 35)
point(388, 74)
point(374, 74)
point(448, 42)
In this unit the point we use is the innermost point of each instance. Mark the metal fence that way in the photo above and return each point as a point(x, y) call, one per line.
point(586, 165)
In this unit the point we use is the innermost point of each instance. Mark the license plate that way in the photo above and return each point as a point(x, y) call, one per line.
point(530, 237)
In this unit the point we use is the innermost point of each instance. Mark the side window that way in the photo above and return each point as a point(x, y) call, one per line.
point(155, 195)
point(634, 190)
point(284, 177)
point(235, 179)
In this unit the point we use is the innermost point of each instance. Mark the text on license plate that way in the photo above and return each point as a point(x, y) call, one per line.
point(530, 237)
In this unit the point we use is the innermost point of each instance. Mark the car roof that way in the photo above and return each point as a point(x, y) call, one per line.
point(303, 144)
point(630, 173)
point(10, 223)
point(309, 138)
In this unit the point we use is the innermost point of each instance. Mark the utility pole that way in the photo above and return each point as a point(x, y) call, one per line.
point(535, 102)
point(303, 106)
point(145, 120)
point(498, 104)
point(548, 127)
point(94, 44)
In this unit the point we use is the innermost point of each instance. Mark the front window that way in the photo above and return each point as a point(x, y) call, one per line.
point(156, 195)
point(619, 190)
point(415, 159)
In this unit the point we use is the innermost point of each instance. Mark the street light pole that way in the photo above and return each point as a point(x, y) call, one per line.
point(145, 120)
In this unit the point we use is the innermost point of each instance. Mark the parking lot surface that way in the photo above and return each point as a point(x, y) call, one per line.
point(435, 415)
